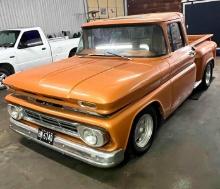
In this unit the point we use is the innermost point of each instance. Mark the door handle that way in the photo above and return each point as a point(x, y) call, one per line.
point(44, 48)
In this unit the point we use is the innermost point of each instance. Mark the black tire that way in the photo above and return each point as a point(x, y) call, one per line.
point(207, 77)
point(3, 74)
point(72, 52)
point(133, 147)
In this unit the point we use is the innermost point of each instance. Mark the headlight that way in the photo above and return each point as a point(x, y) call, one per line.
point(93, 137)
point(15, 112)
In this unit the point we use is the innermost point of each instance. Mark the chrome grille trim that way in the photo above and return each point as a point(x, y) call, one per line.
point(59, 125)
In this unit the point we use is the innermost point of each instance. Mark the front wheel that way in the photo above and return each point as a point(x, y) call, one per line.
point(207, 77)
point(3, 74)
point(142, 133)
point(72, 52)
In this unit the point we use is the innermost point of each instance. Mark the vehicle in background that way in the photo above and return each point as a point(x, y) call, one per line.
point(107, 101)
point(25, 48)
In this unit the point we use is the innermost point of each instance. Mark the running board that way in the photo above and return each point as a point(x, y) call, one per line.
point(197, 84)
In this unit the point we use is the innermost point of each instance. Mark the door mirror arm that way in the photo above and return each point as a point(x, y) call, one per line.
point(193, 48)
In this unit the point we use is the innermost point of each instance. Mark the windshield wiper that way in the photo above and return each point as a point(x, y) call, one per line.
point(111, 53)
point(124, 57)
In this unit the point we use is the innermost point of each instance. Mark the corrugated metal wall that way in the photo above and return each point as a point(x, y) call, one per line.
point(53, 16)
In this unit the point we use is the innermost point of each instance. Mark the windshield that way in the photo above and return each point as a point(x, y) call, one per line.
point(8, 38)
point(126, 41)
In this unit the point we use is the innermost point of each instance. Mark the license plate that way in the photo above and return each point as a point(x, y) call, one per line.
point(45, 136)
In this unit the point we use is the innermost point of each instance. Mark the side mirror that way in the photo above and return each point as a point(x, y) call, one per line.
point(22, 46)
point(193, 48)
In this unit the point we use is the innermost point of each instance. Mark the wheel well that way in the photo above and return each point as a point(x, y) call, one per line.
point(72, 51)
point(212, 63)
point(157, 106)
point(8, 67)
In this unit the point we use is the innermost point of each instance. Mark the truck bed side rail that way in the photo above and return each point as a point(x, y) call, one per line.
point(195, 40)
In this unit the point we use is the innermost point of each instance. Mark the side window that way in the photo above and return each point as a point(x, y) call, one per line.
point(175, 35)
point(30, 39)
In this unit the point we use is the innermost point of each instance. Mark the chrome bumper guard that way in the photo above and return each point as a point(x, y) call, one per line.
point(80, 152)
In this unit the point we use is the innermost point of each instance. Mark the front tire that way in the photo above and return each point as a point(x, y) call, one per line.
point(207, 77)
point(143, 131)
point(72, 52)
point(3, 74)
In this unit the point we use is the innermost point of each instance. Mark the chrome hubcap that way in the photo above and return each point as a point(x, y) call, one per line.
point(144, 130)
point(208, 74)
point(2, 77)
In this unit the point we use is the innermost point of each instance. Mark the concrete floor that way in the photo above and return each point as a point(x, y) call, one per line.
point(185, 155)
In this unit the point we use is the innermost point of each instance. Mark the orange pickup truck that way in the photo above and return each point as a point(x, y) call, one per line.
point(127, 75)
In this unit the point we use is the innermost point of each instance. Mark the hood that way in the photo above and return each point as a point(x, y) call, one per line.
point(110, 83)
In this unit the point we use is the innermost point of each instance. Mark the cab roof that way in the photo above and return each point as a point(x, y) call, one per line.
point(23, 29)
point(136, 19)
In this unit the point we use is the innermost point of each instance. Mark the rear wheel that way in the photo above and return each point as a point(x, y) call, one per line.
point(143, 131)
point(72, 52)
point(3, 74)
point(207, 77)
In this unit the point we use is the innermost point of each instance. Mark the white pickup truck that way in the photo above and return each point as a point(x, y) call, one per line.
point(25, 48)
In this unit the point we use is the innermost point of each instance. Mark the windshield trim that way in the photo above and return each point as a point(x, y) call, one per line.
point(94, 55)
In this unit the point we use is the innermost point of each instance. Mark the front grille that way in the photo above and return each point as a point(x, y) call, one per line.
point(66, 127)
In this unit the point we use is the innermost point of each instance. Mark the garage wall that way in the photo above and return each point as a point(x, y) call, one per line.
point(53, 16)
point(107, 8)
point(150, 6)
point(194, 11)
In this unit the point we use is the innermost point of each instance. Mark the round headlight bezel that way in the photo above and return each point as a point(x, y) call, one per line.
point(101, 136)
point(16, 112)
point(90, 137)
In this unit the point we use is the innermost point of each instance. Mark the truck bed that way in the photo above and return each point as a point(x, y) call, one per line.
point(195, 40)
point(203, 47)
point(61, 47)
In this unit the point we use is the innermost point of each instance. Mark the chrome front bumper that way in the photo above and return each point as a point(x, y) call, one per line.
point(80, 152)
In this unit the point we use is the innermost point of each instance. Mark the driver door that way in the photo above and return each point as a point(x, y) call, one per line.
point(31, 51)
point(183, 69)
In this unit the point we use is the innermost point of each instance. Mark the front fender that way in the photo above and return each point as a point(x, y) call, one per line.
point(7, 56)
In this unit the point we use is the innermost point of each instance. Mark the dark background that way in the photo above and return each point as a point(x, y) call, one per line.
point(204, 18)
point(201, 18)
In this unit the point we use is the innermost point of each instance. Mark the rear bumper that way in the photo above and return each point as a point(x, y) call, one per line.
point(80, 152)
